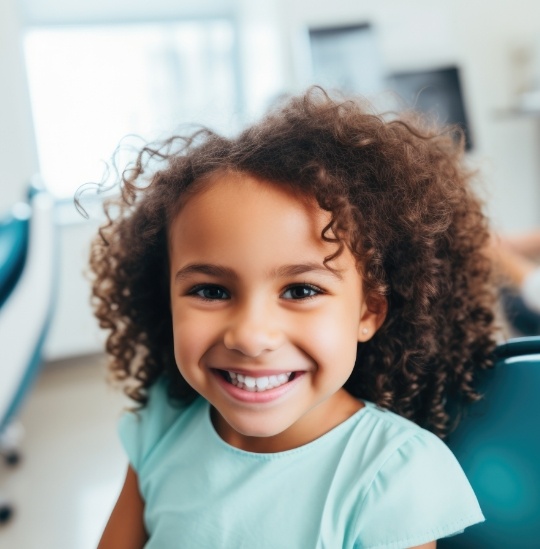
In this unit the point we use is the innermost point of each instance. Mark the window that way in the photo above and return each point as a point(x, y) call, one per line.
point(90, 86)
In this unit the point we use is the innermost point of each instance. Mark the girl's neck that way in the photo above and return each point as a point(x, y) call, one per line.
point(317, 422)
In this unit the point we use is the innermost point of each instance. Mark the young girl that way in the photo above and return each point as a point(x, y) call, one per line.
point(294, 309)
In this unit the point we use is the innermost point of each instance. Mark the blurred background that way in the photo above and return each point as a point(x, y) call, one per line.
point(77, 77)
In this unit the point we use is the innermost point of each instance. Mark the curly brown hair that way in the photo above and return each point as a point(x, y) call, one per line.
point(400, 198)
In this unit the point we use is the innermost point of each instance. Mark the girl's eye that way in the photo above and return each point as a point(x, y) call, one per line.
point(210, 292)
point(301, 291)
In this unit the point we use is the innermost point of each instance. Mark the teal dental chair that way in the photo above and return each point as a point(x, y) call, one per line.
point(498, 446)
point(27, 282)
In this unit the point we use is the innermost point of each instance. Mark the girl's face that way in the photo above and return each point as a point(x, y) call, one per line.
point(262, 329)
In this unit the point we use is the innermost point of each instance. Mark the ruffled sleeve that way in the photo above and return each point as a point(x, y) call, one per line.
point(419, 494)
point(142, 430)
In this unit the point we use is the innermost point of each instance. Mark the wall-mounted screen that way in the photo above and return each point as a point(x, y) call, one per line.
point(436, 92)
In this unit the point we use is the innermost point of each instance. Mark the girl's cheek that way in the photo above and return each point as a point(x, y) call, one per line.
point(331, 328)
point(191, 337)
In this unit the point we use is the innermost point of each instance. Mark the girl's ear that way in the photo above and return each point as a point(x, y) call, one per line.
point(373, 315)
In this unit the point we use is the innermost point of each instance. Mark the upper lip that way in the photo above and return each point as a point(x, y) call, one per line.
point(257, 373)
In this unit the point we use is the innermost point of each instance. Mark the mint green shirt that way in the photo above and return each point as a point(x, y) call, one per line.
point(376, 481)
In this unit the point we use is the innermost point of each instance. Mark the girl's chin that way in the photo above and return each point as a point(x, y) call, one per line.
point(243, 434)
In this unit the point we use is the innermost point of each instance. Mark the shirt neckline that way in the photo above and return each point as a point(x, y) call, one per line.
point(335, 431)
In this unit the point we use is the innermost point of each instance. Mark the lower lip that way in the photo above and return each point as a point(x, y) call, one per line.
point(256, 397)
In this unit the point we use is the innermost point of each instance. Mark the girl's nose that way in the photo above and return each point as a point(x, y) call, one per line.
point(253, 331)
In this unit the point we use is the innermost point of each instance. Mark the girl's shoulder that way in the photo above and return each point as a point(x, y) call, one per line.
point(140, 430)
point(415, 482)
point(398, 446)
point(395, 432)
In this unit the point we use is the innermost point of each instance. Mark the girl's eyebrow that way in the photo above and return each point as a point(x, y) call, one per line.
point(204, 268)
point(301, 268)
point(283, 271)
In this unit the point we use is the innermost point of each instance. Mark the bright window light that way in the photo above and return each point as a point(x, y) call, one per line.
point(90, 86)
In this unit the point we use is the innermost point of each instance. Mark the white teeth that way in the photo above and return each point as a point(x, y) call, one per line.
point(259, 384)
point(250, 382)
point(262, 383)
point(283, 378)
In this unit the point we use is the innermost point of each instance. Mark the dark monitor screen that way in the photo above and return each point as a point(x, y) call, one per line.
point(435, 92)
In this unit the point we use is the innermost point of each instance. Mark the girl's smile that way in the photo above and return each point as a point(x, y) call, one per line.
point(263, 329)
point(258, 388)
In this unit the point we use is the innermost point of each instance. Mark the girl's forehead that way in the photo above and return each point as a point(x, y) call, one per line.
point(253, 226)
point(222, 191)
point(242, 208)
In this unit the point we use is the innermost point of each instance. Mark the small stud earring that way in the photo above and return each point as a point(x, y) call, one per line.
point(365, 330)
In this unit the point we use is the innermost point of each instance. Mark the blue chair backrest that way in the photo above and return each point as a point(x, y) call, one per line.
point(498, 446)
point(14, 229)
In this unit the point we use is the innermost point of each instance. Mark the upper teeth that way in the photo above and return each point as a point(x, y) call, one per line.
point(259, 383)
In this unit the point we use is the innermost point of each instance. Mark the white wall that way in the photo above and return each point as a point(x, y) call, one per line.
point(491, 41)
point(18, 158)
point(74, 330)
point(493, 37)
